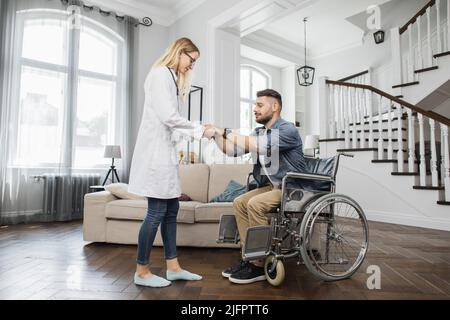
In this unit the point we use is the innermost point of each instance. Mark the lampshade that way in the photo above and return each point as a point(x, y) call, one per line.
point(112, 152)
point(312, 141)
point(305, 74)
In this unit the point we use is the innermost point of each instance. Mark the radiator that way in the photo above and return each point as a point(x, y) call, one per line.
point(64, 194)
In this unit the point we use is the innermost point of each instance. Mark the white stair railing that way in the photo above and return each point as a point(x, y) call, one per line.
point(411, 57)
point(411, 142)
point(343, 96)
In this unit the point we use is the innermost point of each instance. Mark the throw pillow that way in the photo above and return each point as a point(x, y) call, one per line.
point(231, 192)
point(120, 190)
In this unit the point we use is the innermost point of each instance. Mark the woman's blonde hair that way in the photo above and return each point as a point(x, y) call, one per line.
point(171, 58)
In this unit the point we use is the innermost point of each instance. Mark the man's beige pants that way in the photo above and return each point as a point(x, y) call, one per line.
point(251, 208)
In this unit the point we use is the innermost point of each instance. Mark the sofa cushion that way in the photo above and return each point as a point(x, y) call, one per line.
point(221, 174)
point(231, 192)
point(211, 212)
point(120, 190)
point(194, 181)
point(137, 209)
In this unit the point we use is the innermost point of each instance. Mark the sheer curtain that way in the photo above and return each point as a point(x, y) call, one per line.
point(65, 93)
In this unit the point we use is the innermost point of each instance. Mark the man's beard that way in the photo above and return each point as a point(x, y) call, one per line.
point(265, 119)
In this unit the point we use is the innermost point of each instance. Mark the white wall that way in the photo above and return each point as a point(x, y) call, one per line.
point(150, 43)
point(194, 25)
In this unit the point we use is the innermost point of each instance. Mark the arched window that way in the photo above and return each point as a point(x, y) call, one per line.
point(252, 80)
point(68, 90)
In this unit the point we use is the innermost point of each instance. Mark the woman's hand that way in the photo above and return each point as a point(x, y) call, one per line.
point(209, 131)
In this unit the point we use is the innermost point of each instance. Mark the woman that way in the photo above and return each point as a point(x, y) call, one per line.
point(154, 168)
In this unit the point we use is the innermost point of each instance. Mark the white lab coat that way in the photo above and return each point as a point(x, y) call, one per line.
point(154, 167)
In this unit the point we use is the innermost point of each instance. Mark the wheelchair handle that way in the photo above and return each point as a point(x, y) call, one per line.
point(346, 154)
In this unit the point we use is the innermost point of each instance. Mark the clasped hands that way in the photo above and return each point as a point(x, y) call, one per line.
point(210, 131)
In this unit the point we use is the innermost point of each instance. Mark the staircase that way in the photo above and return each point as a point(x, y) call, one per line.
point(421, 58)
point(401, 169)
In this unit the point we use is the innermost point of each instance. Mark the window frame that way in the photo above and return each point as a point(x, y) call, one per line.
point(72, 73)
point(252, 69)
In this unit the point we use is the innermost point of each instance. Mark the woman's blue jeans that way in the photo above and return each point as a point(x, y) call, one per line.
point(160, 212)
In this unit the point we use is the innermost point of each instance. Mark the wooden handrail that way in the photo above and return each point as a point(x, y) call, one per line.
point(418, 14)
point(432, 115)
point(356, 75)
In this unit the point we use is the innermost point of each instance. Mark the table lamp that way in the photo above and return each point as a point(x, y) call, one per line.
point(113, 152)
point(312, 142)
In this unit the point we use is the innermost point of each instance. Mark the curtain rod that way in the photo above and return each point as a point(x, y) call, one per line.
point(146, 21)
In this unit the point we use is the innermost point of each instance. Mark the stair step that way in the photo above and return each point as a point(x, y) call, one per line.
point(394, 150)
point(392, 161)
point(376, 130)
point(426, 69)
point(405, 84)
point(444, 203)
point(442, 54)
point(404, 117)
point(356, 150)
point(428, 188)
point(405, 173)
point(399, 96)
point(376, 139)
point(332, 140)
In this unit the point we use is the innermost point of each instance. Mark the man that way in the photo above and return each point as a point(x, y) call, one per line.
point(277, 149)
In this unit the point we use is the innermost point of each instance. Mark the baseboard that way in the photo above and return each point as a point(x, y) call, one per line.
point(409, 220)
point(21, 213)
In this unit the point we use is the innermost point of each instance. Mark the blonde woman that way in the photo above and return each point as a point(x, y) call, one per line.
point(154, 167)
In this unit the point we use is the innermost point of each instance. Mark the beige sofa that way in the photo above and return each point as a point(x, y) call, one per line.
point(110, 219)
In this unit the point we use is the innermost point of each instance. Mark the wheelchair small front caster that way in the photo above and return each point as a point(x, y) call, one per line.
point(274, 274)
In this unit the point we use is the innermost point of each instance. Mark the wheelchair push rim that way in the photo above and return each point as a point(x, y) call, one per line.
point(334, 237)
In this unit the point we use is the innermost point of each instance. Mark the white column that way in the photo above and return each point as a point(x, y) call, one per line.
point(429, 57)
point(419, 43)
point(438, 30)
point(380, 130)
point(411, 141)
point(433, 164)
point(422, 166)
point(323, 108)
point(400, 158)
point(332, 112)
point(370, 110)
point(390, 153)
point(448, 25)
point(362, 136)
point(396, 59)
point(444, 129)
point(411, 65)
point(338, 90)
point(353, 112)
point(346, 116)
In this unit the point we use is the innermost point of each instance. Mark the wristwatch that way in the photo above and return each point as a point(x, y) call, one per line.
point(226, 132)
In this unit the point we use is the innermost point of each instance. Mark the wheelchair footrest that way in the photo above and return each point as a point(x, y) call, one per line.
point(257, 243)
point(228, 231)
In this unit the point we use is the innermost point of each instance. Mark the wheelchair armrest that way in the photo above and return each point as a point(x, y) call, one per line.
point(248, 179)
point(308, 176)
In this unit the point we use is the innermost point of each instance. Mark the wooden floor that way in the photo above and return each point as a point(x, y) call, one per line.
point(51, 261)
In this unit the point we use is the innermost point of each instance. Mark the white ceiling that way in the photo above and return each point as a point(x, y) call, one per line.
point(264, 57)
point(328, 30)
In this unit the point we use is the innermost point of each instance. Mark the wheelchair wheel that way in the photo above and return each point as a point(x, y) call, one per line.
point(276, 277)
point(335, 237)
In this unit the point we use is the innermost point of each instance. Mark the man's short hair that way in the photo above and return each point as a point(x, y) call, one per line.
point(270, 93)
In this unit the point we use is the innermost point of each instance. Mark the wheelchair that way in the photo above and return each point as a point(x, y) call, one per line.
point(326, 231)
